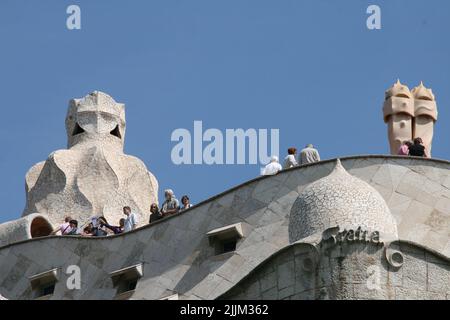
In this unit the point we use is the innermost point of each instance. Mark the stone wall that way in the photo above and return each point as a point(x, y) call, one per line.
point(347, 271)
point(177, 256)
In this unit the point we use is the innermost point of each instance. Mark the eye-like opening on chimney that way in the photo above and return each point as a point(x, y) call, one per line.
point(116, 132)
point(402, 95)
point(425, 98)
point(77, 130)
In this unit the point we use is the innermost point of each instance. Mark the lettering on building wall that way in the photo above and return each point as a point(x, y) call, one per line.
point(335, 236)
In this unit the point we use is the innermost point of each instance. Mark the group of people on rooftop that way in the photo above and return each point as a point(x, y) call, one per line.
point(99, 226)
point(413, 148)
point(307, 155)
point(169, 207)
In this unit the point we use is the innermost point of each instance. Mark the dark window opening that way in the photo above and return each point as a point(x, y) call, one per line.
point(43, 284)
point(226, 239)
point(126, 280)
point(225, 245)
point(126, 285)
point(229, 246)
point(132, 284)
point(116, 132)
point(44, 289)
point(77, 130)
point(47, 289)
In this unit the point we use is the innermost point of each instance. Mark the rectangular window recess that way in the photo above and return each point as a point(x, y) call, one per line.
point(130, 274)
point(44, 278)
point(233, 231)
point(126, 280)
point(43, 284)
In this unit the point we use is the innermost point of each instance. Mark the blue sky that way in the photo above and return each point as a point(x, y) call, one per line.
point(309, 68)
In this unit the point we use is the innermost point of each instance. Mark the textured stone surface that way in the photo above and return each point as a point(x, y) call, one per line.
point(343, 200)
point(361, 272)
point(178, 257)
point(31, 226)
point(94, 176)
point(409, 115)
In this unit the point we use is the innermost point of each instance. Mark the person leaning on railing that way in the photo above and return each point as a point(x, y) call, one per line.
point(171, 204)
point(155, 213)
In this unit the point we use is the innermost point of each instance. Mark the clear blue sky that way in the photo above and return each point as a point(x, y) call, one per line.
point(310, 68)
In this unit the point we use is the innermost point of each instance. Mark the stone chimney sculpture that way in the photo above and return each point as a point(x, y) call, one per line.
point(409, 115)
point(93, 176)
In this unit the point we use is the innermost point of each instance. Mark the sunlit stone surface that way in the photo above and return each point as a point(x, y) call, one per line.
point(93, 176)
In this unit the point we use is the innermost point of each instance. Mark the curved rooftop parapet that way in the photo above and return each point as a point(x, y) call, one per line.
point(177, 255)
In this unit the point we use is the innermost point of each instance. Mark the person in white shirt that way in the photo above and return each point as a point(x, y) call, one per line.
point(290, 161)
point(171, 205)
point(273, 167)
point(309, 155)
point(131, 221)
point(64, 228)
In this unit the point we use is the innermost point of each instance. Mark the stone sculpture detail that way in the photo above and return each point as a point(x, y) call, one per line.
point(409, 114)
point(343, 201)
point(93, 176)
point(31, 226)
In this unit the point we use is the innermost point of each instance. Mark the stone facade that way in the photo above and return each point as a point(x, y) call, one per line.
point(176, 255)
point(347, 271)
